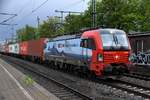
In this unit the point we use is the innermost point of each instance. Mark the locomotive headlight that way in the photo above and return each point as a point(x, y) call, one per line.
point(100, 57)
point(131, 57)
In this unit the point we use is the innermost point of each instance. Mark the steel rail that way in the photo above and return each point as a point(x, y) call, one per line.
point(129, 87)
point(75, 92)
point(138, 76)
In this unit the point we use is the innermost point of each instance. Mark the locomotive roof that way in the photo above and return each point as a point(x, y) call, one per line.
point(78, 35)
point(111, 29)
point(66, 37)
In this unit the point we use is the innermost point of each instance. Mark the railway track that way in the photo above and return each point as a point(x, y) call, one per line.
point(62, 91)
point(138, 76)
point(67, 92)
point(131, 88)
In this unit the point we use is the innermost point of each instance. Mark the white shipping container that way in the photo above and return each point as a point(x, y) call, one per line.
point(2, 48)
point(14, 48)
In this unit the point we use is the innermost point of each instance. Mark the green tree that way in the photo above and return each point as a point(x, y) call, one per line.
point(122, 14)
point(26, 33)
point(74, 23)
point(129, 15)
point(144, 10)
point(50, 28)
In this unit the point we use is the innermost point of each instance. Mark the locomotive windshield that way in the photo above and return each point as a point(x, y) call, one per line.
point(114, 39)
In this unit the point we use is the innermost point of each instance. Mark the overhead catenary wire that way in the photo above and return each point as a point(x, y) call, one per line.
point(36, 8)
point(3, 22)
point(62, 13)
point(8, 24)
point(6, 14)
point(24, 6)
point(68, 6)
point(23, 9)
point(72, 4)
point(13, 15)
point(39, 6)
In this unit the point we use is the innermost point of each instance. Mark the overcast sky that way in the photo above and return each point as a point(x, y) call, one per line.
point(23, 9)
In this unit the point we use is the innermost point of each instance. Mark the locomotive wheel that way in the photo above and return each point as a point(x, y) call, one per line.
point(91, 75)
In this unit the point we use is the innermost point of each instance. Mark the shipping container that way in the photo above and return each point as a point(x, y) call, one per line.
point(1, 48)
point(13, 48)
point(23, 47)
point(5, 48)
point(32, 47)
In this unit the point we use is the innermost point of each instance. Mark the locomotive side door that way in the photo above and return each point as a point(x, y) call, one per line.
point(84, 50)
point(87, 46)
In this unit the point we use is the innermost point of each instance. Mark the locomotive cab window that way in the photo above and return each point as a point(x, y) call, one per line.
point(83, 43)
point(88, 43)
point(114, 39)
point(45, 46)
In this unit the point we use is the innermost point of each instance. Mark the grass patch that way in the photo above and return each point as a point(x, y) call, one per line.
point(28, 80)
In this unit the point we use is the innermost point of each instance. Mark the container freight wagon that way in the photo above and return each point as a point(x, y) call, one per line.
point(4, 48)
point(101, 51)
point(32, 49)
point(13, 49)
point(1, 48)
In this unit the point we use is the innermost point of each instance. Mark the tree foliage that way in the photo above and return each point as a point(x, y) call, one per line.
point(50, 27)
point(123, 14)
point(26, 33)
point(75, 22)
point(129, 15)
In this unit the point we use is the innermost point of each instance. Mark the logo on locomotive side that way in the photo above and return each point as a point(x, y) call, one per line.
point(23, 49)
point(116, 57)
